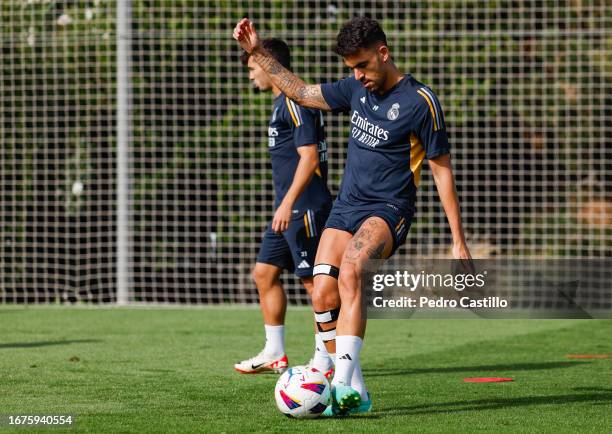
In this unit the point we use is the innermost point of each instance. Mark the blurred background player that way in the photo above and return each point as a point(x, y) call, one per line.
point(396, 122)
point(298, 151)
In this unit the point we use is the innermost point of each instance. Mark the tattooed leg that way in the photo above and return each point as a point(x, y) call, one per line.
point(373, 241)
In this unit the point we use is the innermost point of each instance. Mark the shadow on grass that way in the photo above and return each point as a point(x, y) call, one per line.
point(602, 397)
point(479, 368)
point(48, 343)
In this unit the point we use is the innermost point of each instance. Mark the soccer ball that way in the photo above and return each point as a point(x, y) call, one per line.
point(302, 392)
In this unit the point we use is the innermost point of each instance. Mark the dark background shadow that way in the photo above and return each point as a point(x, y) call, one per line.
point(48, 343)
point(601, 396)
point(479, 368)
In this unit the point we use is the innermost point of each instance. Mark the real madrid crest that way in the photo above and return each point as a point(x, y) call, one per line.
point(393, 112)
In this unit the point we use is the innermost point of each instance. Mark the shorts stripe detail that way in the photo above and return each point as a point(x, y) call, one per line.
point(306, 225)
point(311, 221)
point(400, 226)
point(399, 231)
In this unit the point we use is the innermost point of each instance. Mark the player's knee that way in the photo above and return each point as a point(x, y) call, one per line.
point(325, 291)
point(324, 297)
point(261, 277)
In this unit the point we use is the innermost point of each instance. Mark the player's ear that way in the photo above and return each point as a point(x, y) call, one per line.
point(383, 52)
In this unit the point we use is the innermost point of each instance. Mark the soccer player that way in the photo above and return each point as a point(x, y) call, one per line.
point(296, 141)
point(395, 123)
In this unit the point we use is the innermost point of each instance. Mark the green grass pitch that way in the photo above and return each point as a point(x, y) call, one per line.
point(171, 370)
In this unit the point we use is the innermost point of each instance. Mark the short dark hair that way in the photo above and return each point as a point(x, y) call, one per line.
point(358, 33)
point(277, 49)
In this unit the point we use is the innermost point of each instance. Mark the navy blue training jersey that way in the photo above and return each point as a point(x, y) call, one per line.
point(390, 136)
point(292, 126)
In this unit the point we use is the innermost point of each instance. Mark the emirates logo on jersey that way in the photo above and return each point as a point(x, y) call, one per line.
point(393, 112)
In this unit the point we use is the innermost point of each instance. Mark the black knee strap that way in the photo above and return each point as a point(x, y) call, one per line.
point(327, 317)
point(326, 269)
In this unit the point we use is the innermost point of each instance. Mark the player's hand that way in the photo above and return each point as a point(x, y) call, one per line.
point(282, 217)
point(245, 34)
point(462, 253)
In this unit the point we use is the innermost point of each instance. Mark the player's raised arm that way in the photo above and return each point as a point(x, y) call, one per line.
point(290, 84)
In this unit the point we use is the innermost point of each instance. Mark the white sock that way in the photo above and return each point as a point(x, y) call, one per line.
point(347, 356)
point(321, 359)
point(332, 357)
point(358, 383)
point(275, 340)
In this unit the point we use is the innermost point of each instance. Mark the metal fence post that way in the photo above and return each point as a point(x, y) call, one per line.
point(124, 37)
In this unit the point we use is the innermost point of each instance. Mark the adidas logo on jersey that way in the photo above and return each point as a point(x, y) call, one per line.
point(304, 264)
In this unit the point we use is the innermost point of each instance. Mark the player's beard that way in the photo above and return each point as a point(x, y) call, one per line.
point(377, 85)
point(372, 86)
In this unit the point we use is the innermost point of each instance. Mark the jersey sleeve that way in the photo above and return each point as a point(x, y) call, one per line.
point(430, 126)
point(338, 95)
point(304, 124)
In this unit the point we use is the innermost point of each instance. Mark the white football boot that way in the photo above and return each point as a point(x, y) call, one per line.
point(263, 363)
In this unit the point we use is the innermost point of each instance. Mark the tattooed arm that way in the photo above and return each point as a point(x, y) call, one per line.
point(290, 84)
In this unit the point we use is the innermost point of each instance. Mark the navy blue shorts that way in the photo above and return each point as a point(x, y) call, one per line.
point(350, 220)
point(296, 248)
